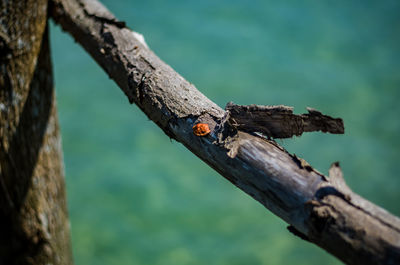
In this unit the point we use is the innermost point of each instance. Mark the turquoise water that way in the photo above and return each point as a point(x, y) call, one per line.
point(135, 197)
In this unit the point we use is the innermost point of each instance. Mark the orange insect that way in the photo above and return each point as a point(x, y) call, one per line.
point(201, 129)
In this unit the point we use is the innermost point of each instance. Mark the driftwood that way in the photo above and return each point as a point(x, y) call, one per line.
point(320, 209)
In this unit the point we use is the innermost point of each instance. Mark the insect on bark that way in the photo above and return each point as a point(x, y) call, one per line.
point(201, 129)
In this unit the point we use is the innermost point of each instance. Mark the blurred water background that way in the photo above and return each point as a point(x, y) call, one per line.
point(135, 197)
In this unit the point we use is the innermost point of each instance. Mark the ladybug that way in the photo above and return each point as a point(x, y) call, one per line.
point(201, 129)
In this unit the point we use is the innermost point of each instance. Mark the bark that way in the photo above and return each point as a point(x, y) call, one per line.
point(34, 227)
point(279, 121)
point(319, 209)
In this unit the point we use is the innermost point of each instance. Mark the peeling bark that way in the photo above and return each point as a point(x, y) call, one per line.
point(279, 121)
point(318, 208)
point(34, 227)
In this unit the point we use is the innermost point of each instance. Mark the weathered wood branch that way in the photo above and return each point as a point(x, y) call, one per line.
point(318, 208)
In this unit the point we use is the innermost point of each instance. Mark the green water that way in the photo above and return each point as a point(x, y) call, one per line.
point(135, 197)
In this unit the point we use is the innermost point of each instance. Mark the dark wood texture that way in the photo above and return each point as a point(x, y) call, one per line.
point(316, 207)
point(34, 227)
point(279, 121)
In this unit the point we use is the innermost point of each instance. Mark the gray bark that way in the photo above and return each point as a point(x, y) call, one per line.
point(34, 227)
point(320, 209)
point(279, 121)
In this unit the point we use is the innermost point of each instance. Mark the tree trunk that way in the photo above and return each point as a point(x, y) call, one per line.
point(319, 209)
point(34, 227)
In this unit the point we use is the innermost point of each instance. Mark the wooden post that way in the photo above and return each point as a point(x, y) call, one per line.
point(34, 227)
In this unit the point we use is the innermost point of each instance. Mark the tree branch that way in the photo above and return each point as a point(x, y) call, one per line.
point(333, 217)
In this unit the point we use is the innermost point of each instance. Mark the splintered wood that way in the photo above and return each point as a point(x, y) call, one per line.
point(279, 121)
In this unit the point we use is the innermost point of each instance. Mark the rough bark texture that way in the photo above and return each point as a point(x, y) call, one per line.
point(34, 227)
point(279, 121)
point(318, 208)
